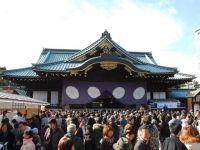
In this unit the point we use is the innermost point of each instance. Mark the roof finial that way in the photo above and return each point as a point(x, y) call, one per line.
point(107, 34)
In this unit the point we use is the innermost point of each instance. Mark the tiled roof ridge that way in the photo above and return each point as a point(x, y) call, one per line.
point(159, 66)
point(19, 69)
point(60, 49)
point(140, 52)
point(51, 63)
point(82, 51)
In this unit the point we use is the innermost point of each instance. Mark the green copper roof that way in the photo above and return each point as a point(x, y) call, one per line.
point(54, 55)
point(87, 49)
point(105, 37)
point(64, 66)
point(58, 66)
point(156, 69)
point(61, 60)
point(23, 72)
point(145, 57)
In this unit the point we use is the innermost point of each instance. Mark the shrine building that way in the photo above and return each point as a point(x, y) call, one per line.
point(102, 75)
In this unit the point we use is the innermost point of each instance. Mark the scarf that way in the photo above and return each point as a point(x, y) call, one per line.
point(26, 141)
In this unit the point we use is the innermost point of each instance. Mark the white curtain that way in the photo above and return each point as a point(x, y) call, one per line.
point(40, 95)
point(54, 97)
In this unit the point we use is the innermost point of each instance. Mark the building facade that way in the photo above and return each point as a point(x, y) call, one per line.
point(101, 75)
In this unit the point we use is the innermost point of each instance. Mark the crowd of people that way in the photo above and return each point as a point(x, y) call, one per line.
point(103, 130)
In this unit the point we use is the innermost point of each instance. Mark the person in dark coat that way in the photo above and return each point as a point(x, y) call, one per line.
point(173, 142)
point(88, 139)
point(53, 135)
point(115, 128)
point(143, 141)
point(97, 133)
point(91, 120)
point(81, 129)
point(77, 141)
point(153, 130)
point(106, 143)
point(164, 128)
point(7, 136)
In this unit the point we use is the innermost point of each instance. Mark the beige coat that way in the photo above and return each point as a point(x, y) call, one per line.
point(193, 146)
point(28, 146)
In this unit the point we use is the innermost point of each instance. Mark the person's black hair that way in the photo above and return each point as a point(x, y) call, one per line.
point(53, 121)
point(190, 121)
point(19, 113)
point(146, 119)
point(5, 121)
point(89, 130)
point(16, 125)
point(174, 115)
point(23, 123)
point(29, 132)
point(175, 128)
point(14, 121)
point(75, 121)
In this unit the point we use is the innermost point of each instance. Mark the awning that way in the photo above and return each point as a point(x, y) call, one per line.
point(8, 100)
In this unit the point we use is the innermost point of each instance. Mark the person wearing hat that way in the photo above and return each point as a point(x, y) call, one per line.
point(27, 141)
point(52, 135)
point(36, 138)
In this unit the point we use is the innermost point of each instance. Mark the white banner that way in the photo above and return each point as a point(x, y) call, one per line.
point(168, 104)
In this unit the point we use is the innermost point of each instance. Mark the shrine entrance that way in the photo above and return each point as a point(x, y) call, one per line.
point(106, 100)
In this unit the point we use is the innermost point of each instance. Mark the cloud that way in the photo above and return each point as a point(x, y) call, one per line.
point(184, 62)
point(172, 11)
point(27, 26)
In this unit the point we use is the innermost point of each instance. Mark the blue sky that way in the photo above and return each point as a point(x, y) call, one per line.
point(186, 12)
point(164, 27)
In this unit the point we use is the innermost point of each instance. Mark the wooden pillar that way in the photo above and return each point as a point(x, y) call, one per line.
point(49, 96)
point(189, 104)
point(60, 98)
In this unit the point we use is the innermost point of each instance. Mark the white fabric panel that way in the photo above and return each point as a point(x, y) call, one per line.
point(43, 95)
point(40, 95)
point(148, 95)
point(162, 95)
point(36, 95)
point(54, 97)
point(156, 95)
point(5, 105)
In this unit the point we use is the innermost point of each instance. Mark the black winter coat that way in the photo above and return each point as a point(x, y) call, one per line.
point(141, 145)
point(173, 143)
point(106, 144)
point(9, 137)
